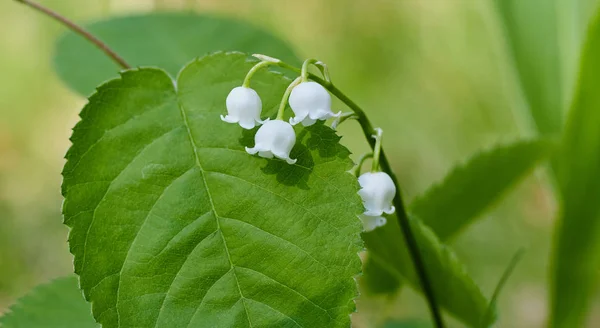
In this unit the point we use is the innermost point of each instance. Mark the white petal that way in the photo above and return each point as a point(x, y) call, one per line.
point(297, 119)
point(285, 157)
point(229, 119)
point(247, 124)
point(251, 151)
point(372, 222)
point(390, 210)
point(320, 114)
point(308, 121)
point(265, 154)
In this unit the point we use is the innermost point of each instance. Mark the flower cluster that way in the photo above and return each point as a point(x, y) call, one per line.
point(309, 101)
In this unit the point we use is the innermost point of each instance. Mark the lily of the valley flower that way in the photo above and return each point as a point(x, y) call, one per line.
point(274, 138)
point(243, 107)
point(310, 101)
point(377, 192)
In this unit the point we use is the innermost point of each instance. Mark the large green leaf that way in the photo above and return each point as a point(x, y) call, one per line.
point(175, 225)
point(466, 192)
point(455, 291)
point(58, 304)
point(576, 260)
point(165, 40)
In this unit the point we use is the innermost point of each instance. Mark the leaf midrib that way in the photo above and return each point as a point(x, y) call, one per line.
point(212, 205)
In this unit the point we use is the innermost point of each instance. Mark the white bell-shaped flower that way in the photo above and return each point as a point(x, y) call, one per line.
point(372, 222)
point(310, 101)
point(274, 138)
point(243, 107)
point(377, 192)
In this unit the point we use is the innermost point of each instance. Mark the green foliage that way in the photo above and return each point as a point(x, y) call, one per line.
point(475, 186)
point(533, 43)
point(174, 224)
point(455, 291)
point(577, 248)
point(165, 40)
point(58, 304)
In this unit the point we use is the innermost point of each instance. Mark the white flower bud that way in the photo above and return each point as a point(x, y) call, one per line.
point(372, 222)
point(274, 138)
point(243, 107)
point(377, 192)
point(310, 101)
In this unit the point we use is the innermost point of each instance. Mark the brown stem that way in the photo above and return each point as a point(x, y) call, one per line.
point(79, 30)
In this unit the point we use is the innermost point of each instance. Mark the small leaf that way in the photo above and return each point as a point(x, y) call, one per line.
point(165, 40)
point(474, 187)
point(466, 192)
point(58, 304)
point(455, 291)
point(175, 225)
point(577, 243)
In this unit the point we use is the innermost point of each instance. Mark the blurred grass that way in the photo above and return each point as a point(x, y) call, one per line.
point(433, 74)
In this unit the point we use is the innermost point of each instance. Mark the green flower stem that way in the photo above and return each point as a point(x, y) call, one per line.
point(401, 213)
point(345, 116)
point(319, 64)
point(357, 169)
point(79, 30)
point(377, 150)
point(304, 72)
point(285, 98)
point(255, 69)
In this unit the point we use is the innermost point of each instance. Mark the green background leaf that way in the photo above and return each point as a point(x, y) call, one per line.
point(58, 304)
point(475, 186)
point(543, 39)
point(164, 40)
point(455, 291)
point(531, 30)
point(172, 221)
point(577, 250)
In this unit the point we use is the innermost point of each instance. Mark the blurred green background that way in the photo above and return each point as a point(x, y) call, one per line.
point(436, 75)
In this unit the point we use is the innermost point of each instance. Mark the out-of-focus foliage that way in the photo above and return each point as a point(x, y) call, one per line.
point(58, 304)
point(435, 75)
point(164, 40)
point(577, 254)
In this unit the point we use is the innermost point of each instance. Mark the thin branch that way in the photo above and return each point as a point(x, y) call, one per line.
point(79, 30)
